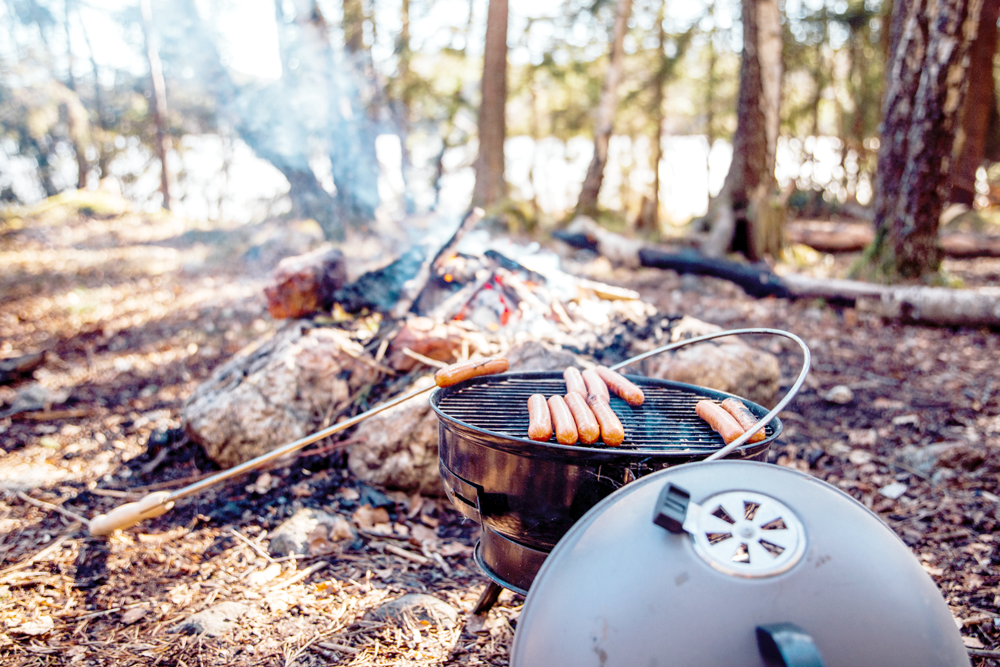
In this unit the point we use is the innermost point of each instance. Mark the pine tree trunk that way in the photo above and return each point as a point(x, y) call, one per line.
point(490, 185)
point(604, 123)
point(159, 100)
point(926, 82)
point(748, 189)
point(649, 217)
point(979, 104)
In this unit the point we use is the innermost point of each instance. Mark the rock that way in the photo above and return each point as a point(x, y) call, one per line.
point(276, 393)
point(309, 530)
point(729, 366)
point(942, 454)
point(894, 490)
point(304, 284)
point(418, 607)
point(212, 622)
point(424, 336)
point(841, 395)
point(535, 356)
point(398, 448)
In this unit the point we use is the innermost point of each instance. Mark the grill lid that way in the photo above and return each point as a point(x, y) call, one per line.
point(665, 422)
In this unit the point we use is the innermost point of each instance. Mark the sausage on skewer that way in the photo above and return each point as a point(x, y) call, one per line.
point(452, 375)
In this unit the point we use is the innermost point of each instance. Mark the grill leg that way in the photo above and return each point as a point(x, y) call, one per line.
point(488, 598)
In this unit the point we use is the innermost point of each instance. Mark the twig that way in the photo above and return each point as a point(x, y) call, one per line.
point(112, 493)
point(330, 646)
point(409, 555)
point(980, 653)
point(52, 508)
point(304, 574)
point(422, 359)
point(252, 545)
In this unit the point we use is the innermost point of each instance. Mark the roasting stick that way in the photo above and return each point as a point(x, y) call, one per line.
point(806, 360)
point(161, 502)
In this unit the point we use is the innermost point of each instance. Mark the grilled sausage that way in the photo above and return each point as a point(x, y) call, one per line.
point(574, 382)
point(452, 375)
point(721, 421)
point(562, 421)
point(539, 420)
point(741, 413)
point(620, 385)
point(586, 423)
point(595, 385)
point(612, 431)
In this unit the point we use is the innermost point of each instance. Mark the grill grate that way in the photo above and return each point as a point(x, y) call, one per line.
point(666, 421)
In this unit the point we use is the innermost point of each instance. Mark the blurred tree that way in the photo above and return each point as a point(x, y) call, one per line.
point(490, 185)
point(159, 106)
point(925, 88)
point(979, 109)
point(743, 217)
point(605, 116)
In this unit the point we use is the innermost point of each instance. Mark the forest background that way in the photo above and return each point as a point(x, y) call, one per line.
point(358, 114)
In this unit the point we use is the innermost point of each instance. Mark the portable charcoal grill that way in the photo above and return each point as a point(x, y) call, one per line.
point(526, 494)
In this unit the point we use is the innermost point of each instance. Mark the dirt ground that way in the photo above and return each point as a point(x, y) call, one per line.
point(134, 311)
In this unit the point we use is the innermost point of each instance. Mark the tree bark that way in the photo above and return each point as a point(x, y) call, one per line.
point(604, 123)
point(980, 102)
point(649, 216)
point(742, 217)
point(490, 185)
point(926, 81)
point(159, 101)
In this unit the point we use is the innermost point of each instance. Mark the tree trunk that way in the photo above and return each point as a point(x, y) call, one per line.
point(159, 101)
point(604, 123)
point(979, 104)
point(649, 216)
point(743, 216)
point(490, 185)
point(926, 82)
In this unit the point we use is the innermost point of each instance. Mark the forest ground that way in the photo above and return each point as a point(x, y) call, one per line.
point(135, 310)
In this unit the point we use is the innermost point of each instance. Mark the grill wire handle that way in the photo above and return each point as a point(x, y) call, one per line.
point(792, 391)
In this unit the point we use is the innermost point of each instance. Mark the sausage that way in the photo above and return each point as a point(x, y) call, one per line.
point(586, 423)
point(612, 431)
point(741, 413)
point(574, 382)
point(452, 375)
point(595, 385)
point(721, 421)
point(621, 386)
point(539, 420)
point(562, 421)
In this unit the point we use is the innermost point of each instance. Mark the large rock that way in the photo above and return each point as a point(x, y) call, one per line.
point(398, 448)
point(729, 366)
point(276, 393)
point(535, 356)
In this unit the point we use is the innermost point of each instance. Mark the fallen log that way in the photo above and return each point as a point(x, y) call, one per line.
point(929, 305)
point(836, 237)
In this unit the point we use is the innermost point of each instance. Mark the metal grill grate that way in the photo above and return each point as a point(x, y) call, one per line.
point(666, 421)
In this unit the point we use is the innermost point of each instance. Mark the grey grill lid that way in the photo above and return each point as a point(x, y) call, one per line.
point(619, 590)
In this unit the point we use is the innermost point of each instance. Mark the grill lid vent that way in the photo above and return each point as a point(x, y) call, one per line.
point(746, 534)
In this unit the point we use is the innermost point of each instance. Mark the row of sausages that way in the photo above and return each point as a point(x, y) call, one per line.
point(584, 414)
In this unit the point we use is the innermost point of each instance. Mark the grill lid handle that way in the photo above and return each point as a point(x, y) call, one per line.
point(672, 508)
point(787, 645)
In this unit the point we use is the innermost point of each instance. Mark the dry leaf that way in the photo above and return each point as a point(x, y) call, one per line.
point(341, 529)
point(318, 542)
point(366, 517)
point(301, 490)
point(39, 626)
point(261, 577)
point(349, 494)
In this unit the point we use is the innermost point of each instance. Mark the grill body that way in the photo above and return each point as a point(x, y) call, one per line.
point(527, 494)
